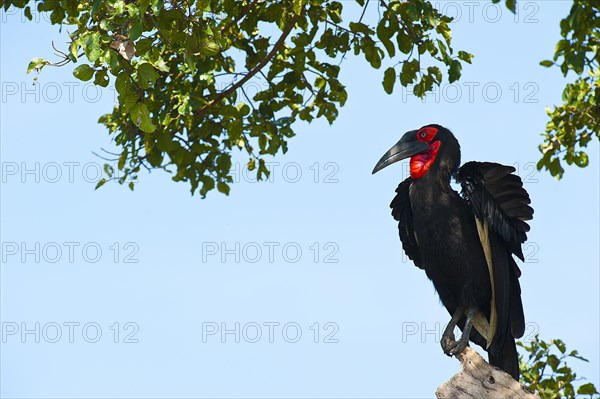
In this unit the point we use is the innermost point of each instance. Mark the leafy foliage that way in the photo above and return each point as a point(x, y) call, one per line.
point(546, 372)
point(573, 124)
point(184, 69)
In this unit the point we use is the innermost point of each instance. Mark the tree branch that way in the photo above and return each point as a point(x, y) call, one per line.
point(280, 42)
point(478, 380)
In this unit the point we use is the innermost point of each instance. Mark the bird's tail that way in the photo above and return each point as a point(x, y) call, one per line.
point(507, 360)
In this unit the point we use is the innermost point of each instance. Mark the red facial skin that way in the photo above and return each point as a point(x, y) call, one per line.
point(420, 163)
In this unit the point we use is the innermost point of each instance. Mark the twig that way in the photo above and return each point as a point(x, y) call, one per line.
point(237, 19)
point(288, 28)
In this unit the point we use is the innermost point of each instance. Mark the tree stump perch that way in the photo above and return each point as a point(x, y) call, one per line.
point(477, 379)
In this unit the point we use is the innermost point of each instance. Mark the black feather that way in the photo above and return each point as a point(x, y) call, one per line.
point(498, 196)
point(402, 212)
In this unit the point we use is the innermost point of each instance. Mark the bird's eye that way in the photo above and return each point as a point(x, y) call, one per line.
point(423, 134)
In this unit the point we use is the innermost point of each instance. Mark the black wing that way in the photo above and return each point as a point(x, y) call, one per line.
point(501, 205)
point(498, 197)
point(402, 212)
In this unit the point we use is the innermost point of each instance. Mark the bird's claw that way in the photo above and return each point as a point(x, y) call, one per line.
point(451, 347)
point(447, 342)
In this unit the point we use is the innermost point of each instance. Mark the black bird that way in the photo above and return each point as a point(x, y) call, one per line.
point(465, 242)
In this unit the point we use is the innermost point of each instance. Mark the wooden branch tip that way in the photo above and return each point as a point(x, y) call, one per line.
point(477, 379)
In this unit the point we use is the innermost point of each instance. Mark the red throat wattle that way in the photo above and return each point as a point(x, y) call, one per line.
point(420, 163)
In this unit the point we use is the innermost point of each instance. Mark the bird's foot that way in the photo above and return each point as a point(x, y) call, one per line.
point(447, 343)
point(452, 347)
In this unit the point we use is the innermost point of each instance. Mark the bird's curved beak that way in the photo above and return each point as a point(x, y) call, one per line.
point(406, 147)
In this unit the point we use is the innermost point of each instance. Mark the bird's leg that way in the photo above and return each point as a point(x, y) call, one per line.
point(448, 335)
point(456, 347)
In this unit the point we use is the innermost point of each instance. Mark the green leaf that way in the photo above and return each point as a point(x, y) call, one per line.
point(424, 85)
point(208, 184)
point(136, 30)
point(555, 168)
point(100, 183)
point(560, 345)
point(412, 9)
point(243, 109)
point(587, 389)
point(209, 48)
point(546, 63)
point(582, 160)
point(445, 31)
point(464, 56)
point(576, 355)
point(389, 78)
point(298, 6)
point(91, 47)
point(83, 72)
point(319, 82)
point(161, 65)
point(146, 75)
point(101, 78)
point(73, 51)
point(36, 63)
point(562, 45)
point(359, 27)
point(409, 72)
point(109, 170)
point(334, 10)
point(405, 44)
point(123, 158)
point(262, 170)
point(435, 73)
point(553, 362)
point(95, 6)
point(384, 33)
point(389, 46)
point(142, 46)
point(123, 83)
point(511, 5)
point(455, 71)
point(140, 116)
point(223, 187)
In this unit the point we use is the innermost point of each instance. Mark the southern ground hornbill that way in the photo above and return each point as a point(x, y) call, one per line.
point(464, 242)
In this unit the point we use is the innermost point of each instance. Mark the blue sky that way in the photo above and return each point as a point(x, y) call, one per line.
point(145, 293)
